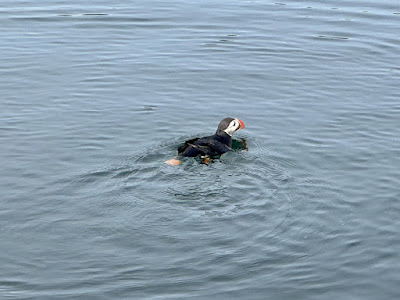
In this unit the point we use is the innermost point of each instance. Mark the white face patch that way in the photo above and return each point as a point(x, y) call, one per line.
point(233, 126)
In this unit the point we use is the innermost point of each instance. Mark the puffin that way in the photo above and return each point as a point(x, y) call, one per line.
point(210, 146)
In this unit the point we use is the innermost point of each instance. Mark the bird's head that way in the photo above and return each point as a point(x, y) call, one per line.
point(230, 125)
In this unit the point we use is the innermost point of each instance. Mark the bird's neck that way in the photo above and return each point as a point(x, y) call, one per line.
point(223, 137)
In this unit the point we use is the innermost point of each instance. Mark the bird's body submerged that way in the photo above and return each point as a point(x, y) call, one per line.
point(211, 146)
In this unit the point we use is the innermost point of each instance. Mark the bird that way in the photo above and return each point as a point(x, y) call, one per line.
point(210, 146)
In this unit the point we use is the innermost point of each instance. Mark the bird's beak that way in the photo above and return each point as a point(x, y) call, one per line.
point(241, 126)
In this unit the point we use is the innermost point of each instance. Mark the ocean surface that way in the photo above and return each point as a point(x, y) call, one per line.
point(95, 96)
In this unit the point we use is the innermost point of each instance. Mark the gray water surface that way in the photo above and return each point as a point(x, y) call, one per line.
point(93, 99)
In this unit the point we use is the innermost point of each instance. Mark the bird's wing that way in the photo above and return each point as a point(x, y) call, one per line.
point(211, 147)
point(182, 148)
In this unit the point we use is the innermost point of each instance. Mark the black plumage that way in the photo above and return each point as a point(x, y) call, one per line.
point(214, 145)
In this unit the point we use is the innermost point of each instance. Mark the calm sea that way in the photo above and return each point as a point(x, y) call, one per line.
point(95, 96)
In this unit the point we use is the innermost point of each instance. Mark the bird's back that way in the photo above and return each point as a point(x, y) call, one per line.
point(209, 146)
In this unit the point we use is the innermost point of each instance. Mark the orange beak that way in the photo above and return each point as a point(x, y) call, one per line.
point(241, 124)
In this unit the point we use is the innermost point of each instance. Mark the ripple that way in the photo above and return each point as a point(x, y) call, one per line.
point(94, 14)
point(332, 37)
point(310, 210)
point(239, 186)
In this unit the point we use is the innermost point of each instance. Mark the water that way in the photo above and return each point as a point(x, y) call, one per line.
point(95, 97)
